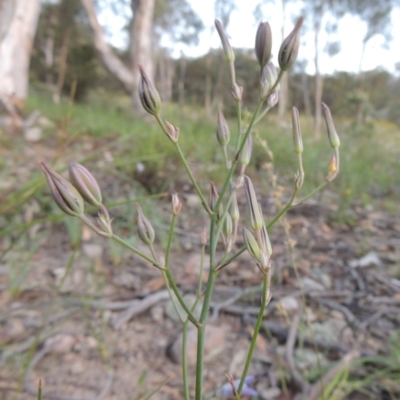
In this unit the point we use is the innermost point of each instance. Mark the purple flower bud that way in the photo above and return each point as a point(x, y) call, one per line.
point(148, 94)
point(297, 139)
point(290, 47)
point(64, 194)
point(223, 134)
point(85, 184)
point(145, 230)
point(229, 54)
point(263, 43)
point(330, 126)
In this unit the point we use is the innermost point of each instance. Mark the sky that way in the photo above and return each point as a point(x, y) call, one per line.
point(242, 28)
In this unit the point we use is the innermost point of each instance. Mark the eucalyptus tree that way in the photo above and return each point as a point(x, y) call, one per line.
point(148, 21)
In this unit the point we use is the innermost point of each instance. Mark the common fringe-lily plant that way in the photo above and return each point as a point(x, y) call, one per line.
point(221, 206)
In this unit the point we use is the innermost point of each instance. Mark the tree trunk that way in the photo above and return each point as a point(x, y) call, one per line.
point(18, 20)
point(139, 47)
point(141, 36)
point(112, 63)
point(181, 81)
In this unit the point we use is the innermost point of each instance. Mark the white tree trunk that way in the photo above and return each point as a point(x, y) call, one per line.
point(18, 19)
point(141, 34)
point(113, 64)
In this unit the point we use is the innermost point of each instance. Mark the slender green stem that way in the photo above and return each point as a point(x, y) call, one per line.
point(204, 311)
point(222, 220)
point(236, 158)
point(172, 298)
point(283, 211)
point(170, 237)
point(180, 298)
point(262, 115)
point(192, 179)
point(230, 259)
point(184, 361)
point(239, 124)
point(201, 334)
point(232, 71)
point(185, 164)
point(136, 251)
point(264, 300)
point(316, 190)
point(200, 286)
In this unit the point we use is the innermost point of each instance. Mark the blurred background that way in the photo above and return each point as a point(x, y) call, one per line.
point(68, 92)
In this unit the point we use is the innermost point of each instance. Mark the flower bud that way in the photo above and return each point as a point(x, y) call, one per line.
point(273, 99)
point(105, 225)
point(223, 134)
point(228, 225)
point(85, 184)
point(263, 43)
point(332, 168)
point(237, 92)
point(297, 139)
point(148, 94)
point(257, 220)
point(173, 132)
point(64, 194)
point(290, 47)
point(330, 126)
point(265, 242)
point(251, 244)
point(245, 156)
point(234, 209)
point(145, 230)
point(176, 204)
point(229, 54)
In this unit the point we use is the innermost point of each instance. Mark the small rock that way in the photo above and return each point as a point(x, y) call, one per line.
point(76, 368)
point(215, 338)
point(15, 327)
point(192, 200)
point(306, 359)
point(157, 313)
point(310, 285)
point(45, 122)
point(92, 250)
point(320, 276)
point(61, 343)
point(287, 305)
point(33, 134)
point(127, 279)
point(369, 259)
point(270, 393)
